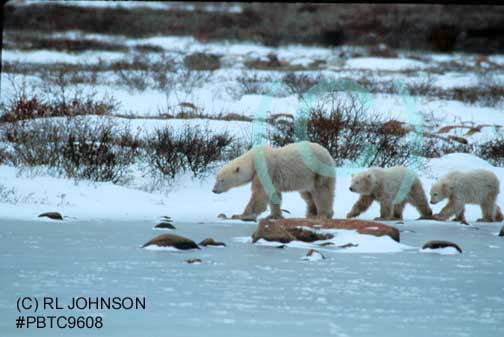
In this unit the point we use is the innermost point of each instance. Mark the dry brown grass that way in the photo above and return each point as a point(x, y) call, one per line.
point(398, 26)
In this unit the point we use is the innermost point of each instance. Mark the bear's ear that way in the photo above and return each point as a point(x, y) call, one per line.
point(237, 169)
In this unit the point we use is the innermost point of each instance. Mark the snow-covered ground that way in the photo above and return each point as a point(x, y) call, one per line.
point(25, 193)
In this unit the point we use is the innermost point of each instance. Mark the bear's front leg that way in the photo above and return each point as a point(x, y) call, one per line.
point(385, 210)
point(460, 216)
point(276, 209)
point(452, 207)
point(360, 206)
point(257, 203)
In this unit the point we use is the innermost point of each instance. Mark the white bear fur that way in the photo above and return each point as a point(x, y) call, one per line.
point(382, 185)
point(479, 187)
point(288, 172)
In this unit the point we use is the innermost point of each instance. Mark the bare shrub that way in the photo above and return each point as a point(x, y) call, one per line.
point(33, 143)
point(139, 72)
point(493, 151)
point(162, 153)
point(22, 107)
point(35, 41)
point(435, 148)
point(348, 131)
point(73, 147)
point(202, 61)
point(201, 148)
point(300, 83)
point(92, 152)
point(148, 48)
point(192, 148)
point(253, 83)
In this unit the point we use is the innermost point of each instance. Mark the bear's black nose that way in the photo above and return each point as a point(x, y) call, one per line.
point(351, 189)
point(432, 202)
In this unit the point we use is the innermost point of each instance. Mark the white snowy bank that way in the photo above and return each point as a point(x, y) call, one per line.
point(24, 195)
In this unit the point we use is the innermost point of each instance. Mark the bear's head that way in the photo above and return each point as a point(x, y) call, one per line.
point(363, 183)
point(439, 191)
point(235, 173)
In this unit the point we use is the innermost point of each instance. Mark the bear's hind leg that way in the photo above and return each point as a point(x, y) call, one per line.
point(385, 210)
point(489, 210)
point(418, 199)
point(498, 214)
point(398, 210)
point(323, 199)
point(311, 209)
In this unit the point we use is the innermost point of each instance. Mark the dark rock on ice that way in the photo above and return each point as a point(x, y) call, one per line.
point(437, 244)
point(171, 240)
point(193, 261)
point(51, 215)
point(211, 242)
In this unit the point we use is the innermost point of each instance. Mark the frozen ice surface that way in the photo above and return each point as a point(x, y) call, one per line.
point(253, 290)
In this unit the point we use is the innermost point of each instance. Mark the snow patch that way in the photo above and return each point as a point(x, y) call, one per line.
point(377, 63)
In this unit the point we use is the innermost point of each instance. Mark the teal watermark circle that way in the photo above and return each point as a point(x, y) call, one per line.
point(301, 119)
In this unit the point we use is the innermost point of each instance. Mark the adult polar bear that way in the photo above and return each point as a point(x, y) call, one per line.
point(304, 167)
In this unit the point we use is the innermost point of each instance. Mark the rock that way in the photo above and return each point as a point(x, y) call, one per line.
point(222, 216)
point(287, 230)
point(281, 246)
point(269, 232)
point(348, 245)
point(314, 255)
point(501, 233)
point(307, 235)
point(171, 240)
point(51, 215)
point(165, 225)
point(211, 242)
point(193, 261)
point(437, 244)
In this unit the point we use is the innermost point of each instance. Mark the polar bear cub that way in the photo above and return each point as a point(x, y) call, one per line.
point(305, 167)
point(479, 187)
point(392, 187)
